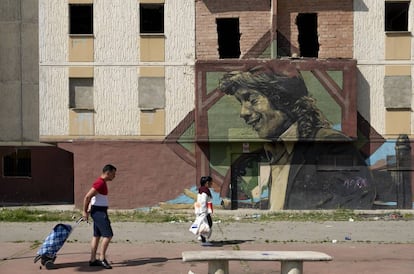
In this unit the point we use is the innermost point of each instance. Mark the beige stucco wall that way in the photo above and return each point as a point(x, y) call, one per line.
point(54, 100)
point(116, 30)
point(53, 31)
point(116, 101)
point(370, 51)
point(179, 49)
point(116, 66)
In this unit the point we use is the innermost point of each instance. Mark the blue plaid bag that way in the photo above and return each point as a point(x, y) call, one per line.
point(55, 240)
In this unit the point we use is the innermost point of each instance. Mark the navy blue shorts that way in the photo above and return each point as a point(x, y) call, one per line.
point(101, 223)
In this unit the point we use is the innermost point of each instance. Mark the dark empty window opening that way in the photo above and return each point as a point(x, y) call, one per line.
point(17, 163)
point(151, 18)
point(396, 16)
point(81, 19)
point(308, 34)
point(228, 37)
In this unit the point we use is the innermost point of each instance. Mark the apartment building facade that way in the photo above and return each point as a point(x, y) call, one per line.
point(138, 83)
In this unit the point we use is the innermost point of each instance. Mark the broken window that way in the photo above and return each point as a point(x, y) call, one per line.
point(308, 34)
point(228, 37)
point(80, 19)
point(396, 16)
point(18, 163)
point(151, 18)
point(81, 93)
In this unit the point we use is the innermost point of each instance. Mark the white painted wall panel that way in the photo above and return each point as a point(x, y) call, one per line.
point(411, 21)
point(369, 34)
point(179, 95)
point(179, 48)
point(412, 92)
point(116, 101)
point(116, 29)
point(371, 96)
point(53, 101)
point(369, 50)
point(53, 30)
point(179, 31)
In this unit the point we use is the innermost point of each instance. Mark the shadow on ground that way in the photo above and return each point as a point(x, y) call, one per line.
point(227, 242)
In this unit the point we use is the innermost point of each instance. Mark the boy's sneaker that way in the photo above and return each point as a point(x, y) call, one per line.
point(199, 238)
point(105, 264)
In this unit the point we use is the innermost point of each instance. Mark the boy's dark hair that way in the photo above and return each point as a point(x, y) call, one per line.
point(108, 168)
point(204, 180)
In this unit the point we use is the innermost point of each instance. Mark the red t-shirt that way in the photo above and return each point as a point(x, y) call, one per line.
point(100, 186)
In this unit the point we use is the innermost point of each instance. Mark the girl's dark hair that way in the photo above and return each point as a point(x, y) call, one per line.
point(205, 179)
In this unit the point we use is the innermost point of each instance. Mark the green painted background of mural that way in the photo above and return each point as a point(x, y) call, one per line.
point(324, 101)
point(225, 124)
point(187, 138)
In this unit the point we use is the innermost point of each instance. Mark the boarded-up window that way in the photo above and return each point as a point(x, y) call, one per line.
point(151, 93)
point(18, 163)
point(81, 93)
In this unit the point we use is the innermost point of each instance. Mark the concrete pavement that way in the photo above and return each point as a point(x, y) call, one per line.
point(378, 246)
point(356, 258)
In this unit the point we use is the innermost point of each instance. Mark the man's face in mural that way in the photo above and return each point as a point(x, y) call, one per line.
point(257, 112)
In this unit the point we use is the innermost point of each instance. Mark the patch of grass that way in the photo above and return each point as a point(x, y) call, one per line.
point(315, 216)
point(35, 244)
point(164, 216)
point(33, 215)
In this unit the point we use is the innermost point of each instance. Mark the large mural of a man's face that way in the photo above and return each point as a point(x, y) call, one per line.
point(279, 107)
point(258, 112)
point(271, 103)
point(304, 112)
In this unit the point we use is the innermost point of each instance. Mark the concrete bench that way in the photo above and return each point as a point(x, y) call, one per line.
point(218, 260)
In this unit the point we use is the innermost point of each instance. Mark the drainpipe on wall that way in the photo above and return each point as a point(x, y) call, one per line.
point(273, 29)
point(21, 73)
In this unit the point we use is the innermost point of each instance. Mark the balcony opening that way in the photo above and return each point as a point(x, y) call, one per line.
point(228, 37)
point(308, 34)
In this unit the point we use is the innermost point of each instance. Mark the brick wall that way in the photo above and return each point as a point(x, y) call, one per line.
point(255, 22)
point(335, 26)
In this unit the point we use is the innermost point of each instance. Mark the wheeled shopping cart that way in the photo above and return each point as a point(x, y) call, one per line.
point(53, 243)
